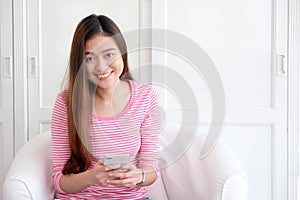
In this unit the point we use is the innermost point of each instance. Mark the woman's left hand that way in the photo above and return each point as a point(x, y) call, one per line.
point(127, 175)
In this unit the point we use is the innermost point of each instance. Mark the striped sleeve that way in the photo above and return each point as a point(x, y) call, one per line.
point(150, 133)
point(61, 150)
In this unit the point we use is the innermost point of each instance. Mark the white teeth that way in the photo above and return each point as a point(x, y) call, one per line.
point(103, 75)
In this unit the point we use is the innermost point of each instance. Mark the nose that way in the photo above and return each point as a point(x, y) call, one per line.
point(101, 65)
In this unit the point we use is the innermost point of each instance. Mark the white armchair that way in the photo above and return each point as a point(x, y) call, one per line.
point(219, 176)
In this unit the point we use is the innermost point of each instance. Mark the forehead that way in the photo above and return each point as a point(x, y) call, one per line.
point(100, 43)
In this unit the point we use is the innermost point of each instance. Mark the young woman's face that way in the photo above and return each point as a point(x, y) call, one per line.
point(103, 61)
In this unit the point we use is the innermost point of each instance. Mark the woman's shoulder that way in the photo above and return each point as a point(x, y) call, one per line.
point(62, 96)
point(142, 87)
point(144, 91)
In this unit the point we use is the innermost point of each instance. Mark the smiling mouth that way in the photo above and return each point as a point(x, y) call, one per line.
point(104, 76)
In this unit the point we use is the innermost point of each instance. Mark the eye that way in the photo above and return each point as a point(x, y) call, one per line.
point(90, 59)
point(110, 55)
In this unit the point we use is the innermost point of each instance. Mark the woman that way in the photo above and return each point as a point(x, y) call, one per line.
point(103, 111)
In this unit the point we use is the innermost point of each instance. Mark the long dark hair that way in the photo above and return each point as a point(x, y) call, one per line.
point(79, 91)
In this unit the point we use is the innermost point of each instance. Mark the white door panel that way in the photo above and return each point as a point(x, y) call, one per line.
point(244, 39)
point(51, 25)
point(6, 89)
point(238, 39)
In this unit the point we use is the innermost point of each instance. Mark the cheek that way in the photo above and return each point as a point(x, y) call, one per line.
point(88, 70)
point(90, 73)
point(119, 65)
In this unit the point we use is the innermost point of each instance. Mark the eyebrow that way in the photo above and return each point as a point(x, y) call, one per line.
point(106, 50)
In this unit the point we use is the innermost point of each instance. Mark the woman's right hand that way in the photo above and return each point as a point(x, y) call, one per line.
point(73, 183)
point(99, 174)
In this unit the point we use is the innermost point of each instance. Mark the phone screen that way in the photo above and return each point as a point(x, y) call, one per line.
point(116, 159)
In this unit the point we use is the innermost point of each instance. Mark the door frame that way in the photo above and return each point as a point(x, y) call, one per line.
point(293, 98)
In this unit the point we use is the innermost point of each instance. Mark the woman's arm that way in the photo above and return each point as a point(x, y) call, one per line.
point(73, 183)
point(149, 176)
point(61, 150)
point(150, 139)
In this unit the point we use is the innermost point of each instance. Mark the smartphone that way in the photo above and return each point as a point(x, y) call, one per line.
point(116, 159)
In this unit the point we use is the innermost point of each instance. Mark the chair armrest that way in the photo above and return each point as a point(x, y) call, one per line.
point(235, 188)
point(225, 173)
point(218, 176)
point(157, 190)
point(29, 176)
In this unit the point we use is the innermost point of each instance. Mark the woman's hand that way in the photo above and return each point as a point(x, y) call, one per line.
point(73, 183)
point(100, 173)
point(126, 175)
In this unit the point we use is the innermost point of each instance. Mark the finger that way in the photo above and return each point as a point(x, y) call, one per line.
point(111, 167)
point(107, 167)
point(128, 166)
point(119, 174)
point(104, 181)
point(127, 182)
point(100, 162)
point(125, 174)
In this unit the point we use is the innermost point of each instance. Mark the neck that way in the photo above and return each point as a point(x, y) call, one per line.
point(106, 95)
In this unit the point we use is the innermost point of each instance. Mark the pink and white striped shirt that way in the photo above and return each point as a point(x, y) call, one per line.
point(134, 131)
